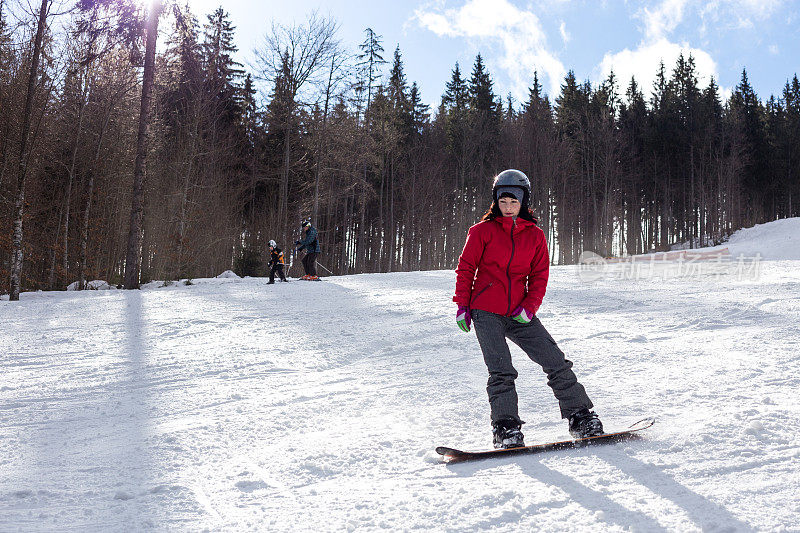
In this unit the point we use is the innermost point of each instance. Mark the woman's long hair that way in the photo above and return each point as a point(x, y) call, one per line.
point(494, 212)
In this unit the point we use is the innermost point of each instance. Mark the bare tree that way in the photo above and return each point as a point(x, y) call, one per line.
point(336, 74)
point(295, 55)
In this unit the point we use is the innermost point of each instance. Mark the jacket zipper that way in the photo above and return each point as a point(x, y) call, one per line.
point(508, 268)
point(472, 301)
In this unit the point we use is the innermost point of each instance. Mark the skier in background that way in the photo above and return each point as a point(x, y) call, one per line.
point(276, 263)
point(312, 248)
point(501, 279)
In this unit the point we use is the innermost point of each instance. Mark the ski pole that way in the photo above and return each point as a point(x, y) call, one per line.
point(323, 268)
point(292, 258)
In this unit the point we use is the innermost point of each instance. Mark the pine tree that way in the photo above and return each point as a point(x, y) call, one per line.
point(370, 60)
point(632, 125)
point(397, 93)
point(485, 117)
point(420, 111)
point(397, 86)
point(481, 93)
point(455, 102)
point(456, 96)
point(534, 92)
point(749, 117)
point(688, 170)
point(775, 132)
point(664, 142)
point(710, 103)
point(221, 70)
point(613, 91)
point(687, 92)
point(791, 144)
point(569, 106)
point(249, 109)
point(185, 70)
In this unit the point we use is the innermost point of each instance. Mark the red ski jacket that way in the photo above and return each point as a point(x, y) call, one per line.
point(501, 268)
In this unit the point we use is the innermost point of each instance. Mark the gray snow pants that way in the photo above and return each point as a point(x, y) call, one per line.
point(492, 330)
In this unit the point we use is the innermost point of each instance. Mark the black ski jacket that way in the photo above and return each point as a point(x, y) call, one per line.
point(276, 257)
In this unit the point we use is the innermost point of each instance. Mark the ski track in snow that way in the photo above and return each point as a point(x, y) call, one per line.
point(230, 405)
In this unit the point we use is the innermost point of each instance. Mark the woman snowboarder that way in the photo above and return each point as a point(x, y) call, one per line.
point(501, 279)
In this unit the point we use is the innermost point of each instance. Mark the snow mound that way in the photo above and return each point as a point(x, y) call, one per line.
point(229, 274)
point(779, 239)
point(94, 285)
point(776, 240)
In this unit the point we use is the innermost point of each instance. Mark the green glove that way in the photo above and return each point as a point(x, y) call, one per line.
point(463, 318)
point(522, 315)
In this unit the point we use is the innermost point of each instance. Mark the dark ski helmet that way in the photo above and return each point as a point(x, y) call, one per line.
point(512, 182)
point(306, 223)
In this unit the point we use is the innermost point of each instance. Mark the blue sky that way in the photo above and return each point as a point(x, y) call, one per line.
point(589, 37)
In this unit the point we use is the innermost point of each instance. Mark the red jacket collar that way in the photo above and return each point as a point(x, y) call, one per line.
point(507, 221)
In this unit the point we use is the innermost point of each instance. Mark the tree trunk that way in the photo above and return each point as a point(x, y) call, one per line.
point(133, 259)
point(324, 141)
point(283, 201)
point(74, 157)
point(24, 154)
point(87, 210)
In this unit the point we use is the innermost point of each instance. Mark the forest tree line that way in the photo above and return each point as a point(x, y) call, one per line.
point(232, 157)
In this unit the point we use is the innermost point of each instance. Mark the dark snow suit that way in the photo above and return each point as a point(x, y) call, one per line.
point(276, 265)
point(311, 245)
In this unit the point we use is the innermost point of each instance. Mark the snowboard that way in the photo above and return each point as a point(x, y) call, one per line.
point(631, 432)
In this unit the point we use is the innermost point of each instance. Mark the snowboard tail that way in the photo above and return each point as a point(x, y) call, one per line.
point(630, 433)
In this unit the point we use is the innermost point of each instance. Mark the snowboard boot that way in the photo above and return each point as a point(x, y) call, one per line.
point(584, 423)
point(507, 434)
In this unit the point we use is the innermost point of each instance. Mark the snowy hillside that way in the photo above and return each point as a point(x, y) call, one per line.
point(779, 239)
point(232, 405)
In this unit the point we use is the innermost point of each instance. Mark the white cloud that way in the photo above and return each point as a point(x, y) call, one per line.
point(642, 64)
point(773, 49)
point(660, 21)
point(565, 36)
point(761, 9)
point(437, 23)
point(737, 14)
point(663, 19)
point(498, 22)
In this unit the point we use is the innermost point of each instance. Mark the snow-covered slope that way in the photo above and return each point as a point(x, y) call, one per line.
point(233, 405)
point(776, 240)
point(779, 239)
